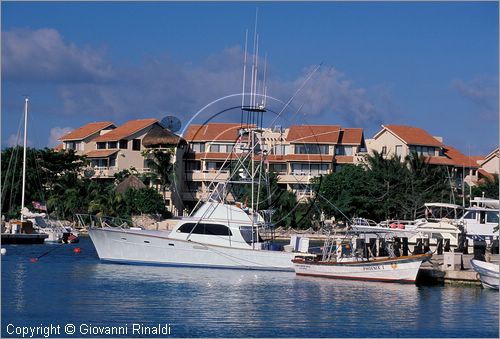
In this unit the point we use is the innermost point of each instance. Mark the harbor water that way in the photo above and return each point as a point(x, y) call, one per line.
point(67, 288)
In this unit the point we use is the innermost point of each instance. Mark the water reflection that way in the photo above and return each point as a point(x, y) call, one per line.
point(234, 303)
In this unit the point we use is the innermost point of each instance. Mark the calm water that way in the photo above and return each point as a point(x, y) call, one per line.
point(64, 287)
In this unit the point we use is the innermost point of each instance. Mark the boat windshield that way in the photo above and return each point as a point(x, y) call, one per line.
point(249, 234)
point(442, 211)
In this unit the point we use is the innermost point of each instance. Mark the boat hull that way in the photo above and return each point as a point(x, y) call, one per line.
point(402, 269)
point(23, 239)
point(488, 273)
point(156, 248)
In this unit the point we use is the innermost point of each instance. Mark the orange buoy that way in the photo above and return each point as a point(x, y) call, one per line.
point(77, 250)
point(33, 260)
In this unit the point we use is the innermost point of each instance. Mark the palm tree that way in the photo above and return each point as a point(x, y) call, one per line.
point(160, 163)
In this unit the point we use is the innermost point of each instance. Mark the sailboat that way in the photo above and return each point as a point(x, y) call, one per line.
point(22, 231)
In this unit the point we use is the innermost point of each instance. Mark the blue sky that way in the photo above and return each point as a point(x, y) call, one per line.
point(427, 64)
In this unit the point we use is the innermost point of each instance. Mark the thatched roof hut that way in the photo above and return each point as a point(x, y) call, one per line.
point(129, 182)
point(159, 137)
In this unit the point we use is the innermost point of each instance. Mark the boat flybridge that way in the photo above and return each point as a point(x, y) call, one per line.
point(480, 220)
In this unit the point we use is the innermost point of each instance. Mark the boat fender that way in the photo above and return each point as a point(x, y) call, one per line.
point(401, 226)
point(393, 225)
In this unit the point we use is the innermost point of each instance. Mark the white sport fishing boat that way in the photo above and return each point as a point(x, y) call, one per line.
point(220, 232)
point(217, 235)
point(488, 273)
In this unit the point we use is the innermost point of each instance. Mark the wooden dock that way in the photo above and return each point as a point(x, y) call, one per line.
point(454, 269)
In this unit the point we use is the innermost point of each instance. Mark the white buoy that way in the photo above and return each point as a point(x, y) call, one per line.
point(3, 251)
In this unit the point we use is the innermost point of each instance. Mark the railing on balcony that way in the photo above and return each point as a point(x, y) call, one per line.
point(207, 175)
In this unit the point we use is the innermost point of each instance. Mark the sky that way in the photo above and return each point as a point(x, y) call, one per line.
point(432, 65)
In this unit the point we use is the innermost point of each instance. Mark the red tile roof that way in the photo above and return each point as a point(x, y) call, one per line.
point(322, 134)
point(478, 158)
point(485, 174)
point(86, 130)
point(459, 159)
point(126, 130)
point(58, 148)
point(433, 160)
point(213, 132)
point(412, 135)
point(351, 136)
point(100, 153)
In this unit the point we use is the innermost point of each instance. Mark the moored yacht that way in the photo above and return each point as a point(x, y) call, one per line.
point(217, 235)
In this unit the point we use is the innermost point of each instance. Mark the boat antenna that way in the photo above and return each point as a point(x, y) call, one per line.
point(244, 75)
point(26, 100)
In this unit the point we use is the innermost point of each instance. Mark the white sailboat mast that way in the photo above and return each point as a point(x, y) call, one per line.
point(24, 154)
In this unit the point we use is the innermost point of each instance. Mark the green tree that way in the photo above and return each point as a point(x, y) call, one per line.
point(160, 163)
point(144, 201)
point(345, 193)
point(489, 187)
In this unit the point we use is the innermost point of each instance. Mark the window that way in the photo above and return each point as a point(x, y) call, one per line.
point(492, 217)
point(194, 186)
point(197, 147)
point(312, 149)
point(384, 150)
point(399, 150)
point(99, 162)
point(112, 145)
point(101, 145)
point(136, 144)
point(343, 150)
point(123, 144)
point(193, 166)
point(221, 148)
point(470, 215)
point(278, 168)
point(249, 233)
point(206, 229)
point(309, 169)
point(72, 145)
point(112, 162)
point(279, 149)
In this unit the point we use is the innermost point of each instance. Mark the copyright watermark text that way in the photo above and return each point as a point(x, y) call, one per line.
point(56, 330)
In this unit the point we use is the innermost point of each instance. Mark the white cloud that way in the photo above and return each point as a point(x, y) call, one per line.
point(88, 84)
point(15, 140)
point(55, 133)
point(483, 91)
point(42, 55)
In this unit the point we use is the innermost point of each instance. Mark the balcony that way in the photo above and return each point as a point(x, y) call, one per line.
point(207, 175)
point(104, 172)
point(297, 177)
